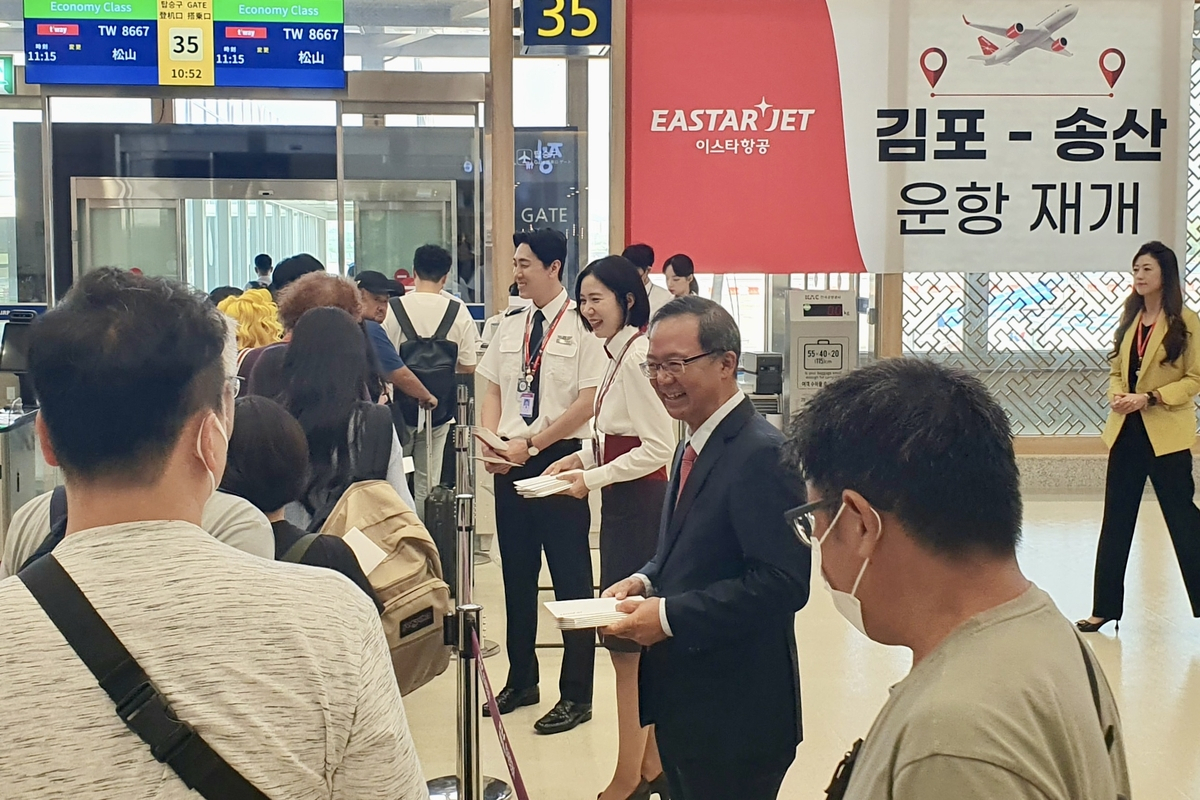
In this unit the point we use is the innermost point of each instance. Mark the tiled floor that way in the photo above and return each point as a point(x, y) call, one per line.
point(1154, 667)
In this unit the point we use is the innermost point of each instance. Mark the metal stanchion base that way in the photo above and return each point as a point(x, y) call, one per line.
point(447, 789)
point(490, 648)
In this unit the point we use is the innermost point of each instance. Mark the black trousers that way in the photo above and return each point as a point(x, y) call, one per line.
point(716, 779)
point(1130, 462)
point(524, 527)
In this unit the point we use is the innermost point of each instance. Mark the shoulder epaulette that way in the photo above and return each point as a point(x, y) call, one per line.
point(514, 311)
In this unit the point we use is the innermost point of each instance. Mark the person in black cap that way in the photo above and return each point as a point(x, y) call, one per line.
point(292, 268)
point(377, 290)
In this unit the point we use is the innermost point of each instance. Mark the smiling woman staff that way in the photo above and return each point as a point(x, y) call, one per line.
point(1151, 428)
point(627, 461)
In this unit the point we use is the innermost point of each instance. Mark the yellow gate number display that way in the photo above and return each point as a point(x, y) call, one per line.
point(558, 23)
point(185, 43)
point(550, 23)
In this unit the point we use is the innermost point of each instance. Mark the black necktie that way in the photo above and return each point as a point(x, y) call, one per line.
point(535, 345)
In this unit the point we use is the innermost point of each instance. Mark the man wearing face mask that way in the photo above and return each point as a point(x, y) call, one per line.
point(914, 515)
point(282, 672)
point(720, 678)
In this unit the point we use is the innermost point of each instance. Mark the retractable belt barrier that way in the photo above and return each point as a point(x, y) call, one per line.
point(462, 633)
point(510, 758)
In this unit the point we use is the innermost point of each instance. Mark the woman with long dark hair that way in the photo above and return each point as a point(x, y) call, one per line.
point(681, 275)
point(267, 465)
point(1153, 384)
point(326, 373)
point(627, 463)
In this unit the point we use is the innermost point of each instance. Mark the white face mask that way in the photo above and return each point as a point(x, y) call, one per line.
point(212, 479)
point(847, 604)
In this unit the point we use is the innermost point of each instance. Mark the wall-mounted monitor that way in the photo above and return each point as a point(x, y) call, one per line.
point(248, 43)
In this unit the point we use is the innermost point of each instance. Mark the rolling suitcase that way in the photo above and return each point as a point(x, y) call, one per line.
point(440, 513)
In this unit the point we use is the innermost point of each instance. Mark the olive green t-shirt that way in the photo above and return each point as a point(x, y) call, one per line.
point(1001, 709)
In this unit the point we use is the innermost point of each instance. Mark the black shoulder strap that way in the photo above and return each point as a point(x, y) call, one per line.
point(1109, 731)
point(58, 507)
point(447, 322)
point(296, 552)
point(58, 526)
point(406, 324)
point(378, 430)
point(140, 705)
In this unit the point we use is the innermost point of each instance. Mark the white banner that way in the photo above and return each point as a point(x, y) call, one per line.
point(1018, 135)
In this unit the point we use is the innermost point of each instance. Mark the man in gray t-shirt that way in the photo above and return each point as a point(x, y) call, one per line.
point(915, 513)
point(282, 670)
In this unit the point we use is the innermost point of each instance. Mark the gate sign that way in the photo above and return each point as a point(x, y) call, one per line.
point(566, 23)
point(929, 135)
point(186, 43)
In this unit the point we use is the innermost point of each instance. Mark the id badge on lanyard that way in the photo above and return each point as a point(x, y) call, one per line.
point(526, 399)
point(525, 405)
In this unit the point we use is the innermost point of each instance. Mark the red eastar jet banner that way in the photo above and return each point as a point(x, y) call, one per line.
point(736, 153)
point(908, 135)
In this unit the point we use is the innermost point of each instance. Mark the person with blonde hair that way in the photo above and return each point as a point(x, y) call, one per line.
point(257, 317)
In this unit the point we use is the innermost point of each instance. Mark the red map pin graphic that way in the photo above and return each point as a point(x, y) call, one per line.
point(932, 74)
point(1112, 75)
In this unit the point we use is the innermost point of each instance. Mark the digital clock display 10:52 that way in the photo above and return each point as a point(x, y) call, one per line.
point(249, 43)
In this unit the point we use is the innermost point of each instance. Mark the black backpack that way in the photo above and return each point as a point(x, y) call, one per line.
point(58, 525)
point(433, 360)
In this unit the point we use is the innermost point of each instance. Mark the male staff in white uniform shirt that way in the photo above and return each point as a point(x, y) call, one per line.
point(542, 369)
point(642, 256)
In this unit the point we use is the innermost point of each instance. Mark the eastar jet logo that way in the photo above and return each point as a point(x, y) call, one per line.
point(763, 117)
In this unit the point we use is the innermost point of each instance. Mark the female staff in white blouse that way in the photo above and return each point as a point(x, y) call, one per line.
point(627, 461)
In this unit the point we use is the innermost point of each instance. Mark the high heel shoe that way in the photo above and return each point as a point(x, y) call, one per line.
point(660, 787)
point(642, 792)
point(1087, 626)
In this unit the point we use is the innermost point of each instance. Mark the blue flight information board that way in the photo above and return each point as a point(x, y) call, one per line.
point(186, 43)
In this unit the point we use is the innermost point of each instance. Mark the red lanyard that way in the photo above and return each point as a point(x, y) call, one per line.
point(611, 378)
point(532, 366)
point(1142, 337)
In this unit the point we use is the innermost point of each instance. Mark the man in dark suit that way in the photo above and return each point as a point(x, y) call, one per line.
point(720, 678)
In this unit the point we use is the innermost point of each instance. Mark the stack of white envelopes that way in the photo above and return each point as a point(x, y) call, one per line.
point(544, 485)
point(573, 615)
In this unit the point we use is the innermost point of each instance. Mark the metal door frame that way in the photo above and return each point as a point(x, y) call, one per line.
point(87, 193)
point(81, 224)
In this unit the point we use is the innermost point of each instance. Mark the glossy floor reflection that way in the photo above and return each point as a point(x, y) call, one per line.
point(1154, 667)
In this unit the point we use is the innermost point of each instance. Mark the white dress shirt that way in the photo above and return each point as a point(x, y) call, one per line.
point(697, 439)
point(572, 360)
point(629, 407)
point(658, 296)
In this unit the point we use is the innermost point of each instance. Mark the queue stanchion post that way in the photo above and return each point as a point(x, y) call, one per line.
point(464, 630)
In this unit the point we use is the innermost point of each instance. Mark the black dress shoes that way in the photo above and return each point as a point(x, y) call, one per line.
point(563, 717)
point(509, 700)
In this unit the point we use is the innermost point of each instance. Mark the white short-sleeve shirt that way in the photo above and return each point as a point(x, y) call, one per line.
point(426, 311)
point(573, 360)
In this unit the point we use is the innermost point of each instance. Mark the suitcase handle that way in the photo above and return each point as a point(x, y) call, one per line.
point(428, 413)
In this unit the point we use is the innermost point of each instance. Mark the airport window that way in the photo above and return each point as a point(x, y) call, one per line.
point(101, 109)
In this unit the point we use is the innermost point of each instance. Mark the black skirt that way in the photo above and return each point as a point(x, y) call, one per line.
point(630, 514)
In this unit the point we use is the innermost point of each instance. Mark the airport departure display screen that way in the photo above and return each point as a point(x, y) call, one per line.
point(258, 43)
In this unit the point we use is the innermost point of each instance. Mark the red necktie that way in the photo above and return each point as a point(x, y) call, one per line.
point(685, 468)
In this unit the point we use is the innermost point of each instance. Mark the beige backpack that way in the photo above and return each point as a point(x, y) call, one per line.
point(408, 581)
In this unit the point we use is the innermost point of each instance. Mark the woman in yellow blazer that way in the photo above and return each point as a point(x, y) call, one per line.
point(1154, 381)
